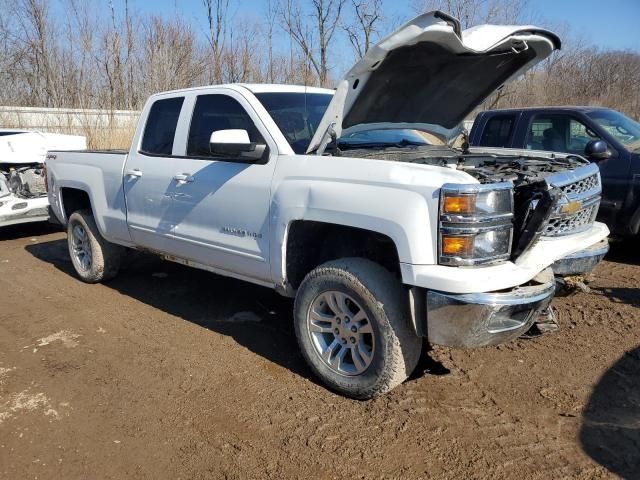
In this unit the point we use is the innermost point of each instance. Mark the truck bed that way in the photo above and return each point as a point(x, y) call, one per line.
point(98, 172)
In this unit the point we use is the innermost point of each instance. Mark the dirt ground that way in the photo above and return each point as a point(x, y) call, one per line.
point(169, 372)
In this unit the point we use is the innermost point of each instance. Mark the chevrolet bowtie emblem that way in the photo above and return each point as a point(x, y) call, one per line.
point(571, 207)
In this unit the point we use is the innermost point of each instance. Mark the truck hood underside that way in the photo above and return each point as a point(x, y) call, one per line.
point(426, 84)
point(428, 76)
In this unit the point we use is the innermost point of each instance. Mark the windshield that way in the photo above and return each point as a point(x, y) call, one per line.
point(383, 138)
point(297, 114)
point(625, 130)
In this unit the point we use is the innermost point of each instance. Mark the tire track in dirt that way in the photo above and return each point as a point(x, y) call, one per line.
point(161, 384)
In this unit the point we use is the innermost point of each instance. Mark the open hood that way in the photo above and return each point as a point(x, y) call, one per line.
point(429, 75)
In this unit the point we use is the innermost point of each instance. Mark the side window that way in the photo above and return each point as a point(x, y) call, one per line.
point(160, 129)
point(497, 131)
point(549, 133)
point(217, 112)
point(579, 136)
point(559, 133)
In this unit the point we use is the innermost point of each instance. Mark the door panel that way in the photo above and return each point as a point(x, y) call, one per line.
point(221, 217)
point(614, 171)
point(147, 175)
point(568, 133)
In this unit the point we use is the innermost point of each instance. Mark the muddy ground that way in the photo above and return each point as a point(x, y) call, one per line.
point(169, 372)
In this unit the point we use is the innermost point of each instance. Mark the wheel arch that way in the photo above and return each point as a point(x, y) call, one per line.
point(80, 197)
point(310, 243)
point(73, 199)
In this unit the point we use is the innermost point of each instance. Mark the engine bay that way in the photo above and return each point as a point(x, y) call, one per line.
point(485, 167)
point(533, 197)
point(24, 181)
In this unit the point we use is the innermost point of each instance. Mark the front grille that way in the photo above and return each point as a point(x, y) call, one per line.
point(577, 206)
point(565, 225)
point(583, 186)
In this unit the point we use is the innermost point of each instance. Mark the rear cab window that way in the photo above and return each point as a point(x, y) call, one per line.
point(497, 131)
point(160, 129)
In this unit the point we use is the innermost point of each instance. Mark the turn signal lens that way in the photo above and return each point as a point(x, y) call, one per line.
point(476, 223)
point(461, 204)
point(457, 245)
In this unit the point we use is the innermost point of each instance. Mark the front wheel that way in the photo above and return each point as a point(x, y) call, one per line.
point(94, 259)
point(352, 324)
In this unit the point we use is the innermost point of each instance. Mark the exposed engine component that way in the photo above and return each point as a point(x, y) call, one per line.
point(519, 170)
point(26, 181)
point(487, 168)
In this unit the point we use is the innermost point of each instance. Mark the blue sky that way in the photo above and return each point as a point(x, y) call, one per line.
point(610, 24)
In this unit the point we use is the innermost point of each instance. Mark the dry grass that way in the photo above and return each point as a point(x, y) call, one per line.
point(109, 139)
point(99, 137)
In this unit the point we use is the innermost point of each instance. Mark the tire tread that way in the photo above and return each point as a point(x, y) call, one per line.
point(382, 289)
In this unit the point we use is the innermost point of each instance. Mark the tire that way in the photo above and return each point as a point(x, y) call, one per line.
point(94, 259)
point(375, 362)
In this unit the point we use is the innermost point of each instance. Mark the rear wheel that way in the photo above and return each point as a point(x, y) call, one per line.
point(352, 325)
point(94, 259)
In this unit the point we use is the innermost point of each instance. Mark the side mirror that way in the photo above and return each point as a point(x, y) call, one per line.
point(235, 143)
point(597, 150)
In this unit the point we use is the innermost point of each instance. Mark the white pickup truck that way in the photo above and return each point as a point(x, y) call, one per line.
point(352, 201)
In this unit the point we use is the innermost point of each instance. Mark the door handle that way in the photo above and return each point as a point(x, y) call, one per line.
point(183, 178)
point(136, 172)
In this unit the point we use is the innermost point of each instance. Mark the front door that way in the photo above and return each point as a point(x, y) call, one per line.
point(197, 206)
point(566, 133)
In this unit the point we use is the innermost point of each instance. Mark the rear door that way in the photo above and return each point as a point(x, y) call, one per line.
point(208, 209)
point(148, 175)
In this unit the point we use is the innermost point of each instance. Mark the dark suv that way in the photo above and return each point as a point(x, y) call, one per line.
point(604, 136)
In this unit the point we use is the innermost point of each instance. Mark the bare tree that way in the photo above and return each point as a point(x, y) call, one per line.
point(168, 58)
point(217, 21)
point(37, 58)
point(316, 28)
point(272, 14)
point(79, 60)
point(361, 31)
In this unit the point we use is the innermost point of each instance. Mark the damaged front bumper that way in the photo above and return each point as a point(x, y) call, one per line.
point(480, 319)
point(14, 210)
point(581, 262)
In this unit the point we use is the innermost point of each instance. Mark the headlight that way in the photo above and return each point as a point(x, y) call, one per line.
point(475, 223)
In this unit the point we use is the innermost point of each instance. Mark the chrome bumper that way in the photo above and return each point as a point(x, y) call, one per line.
point(479, 319)
point(582, 261)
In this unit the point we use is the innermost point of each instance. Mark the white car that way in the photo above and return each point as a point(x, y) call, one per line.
point(23, 195)
point(338, 199)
